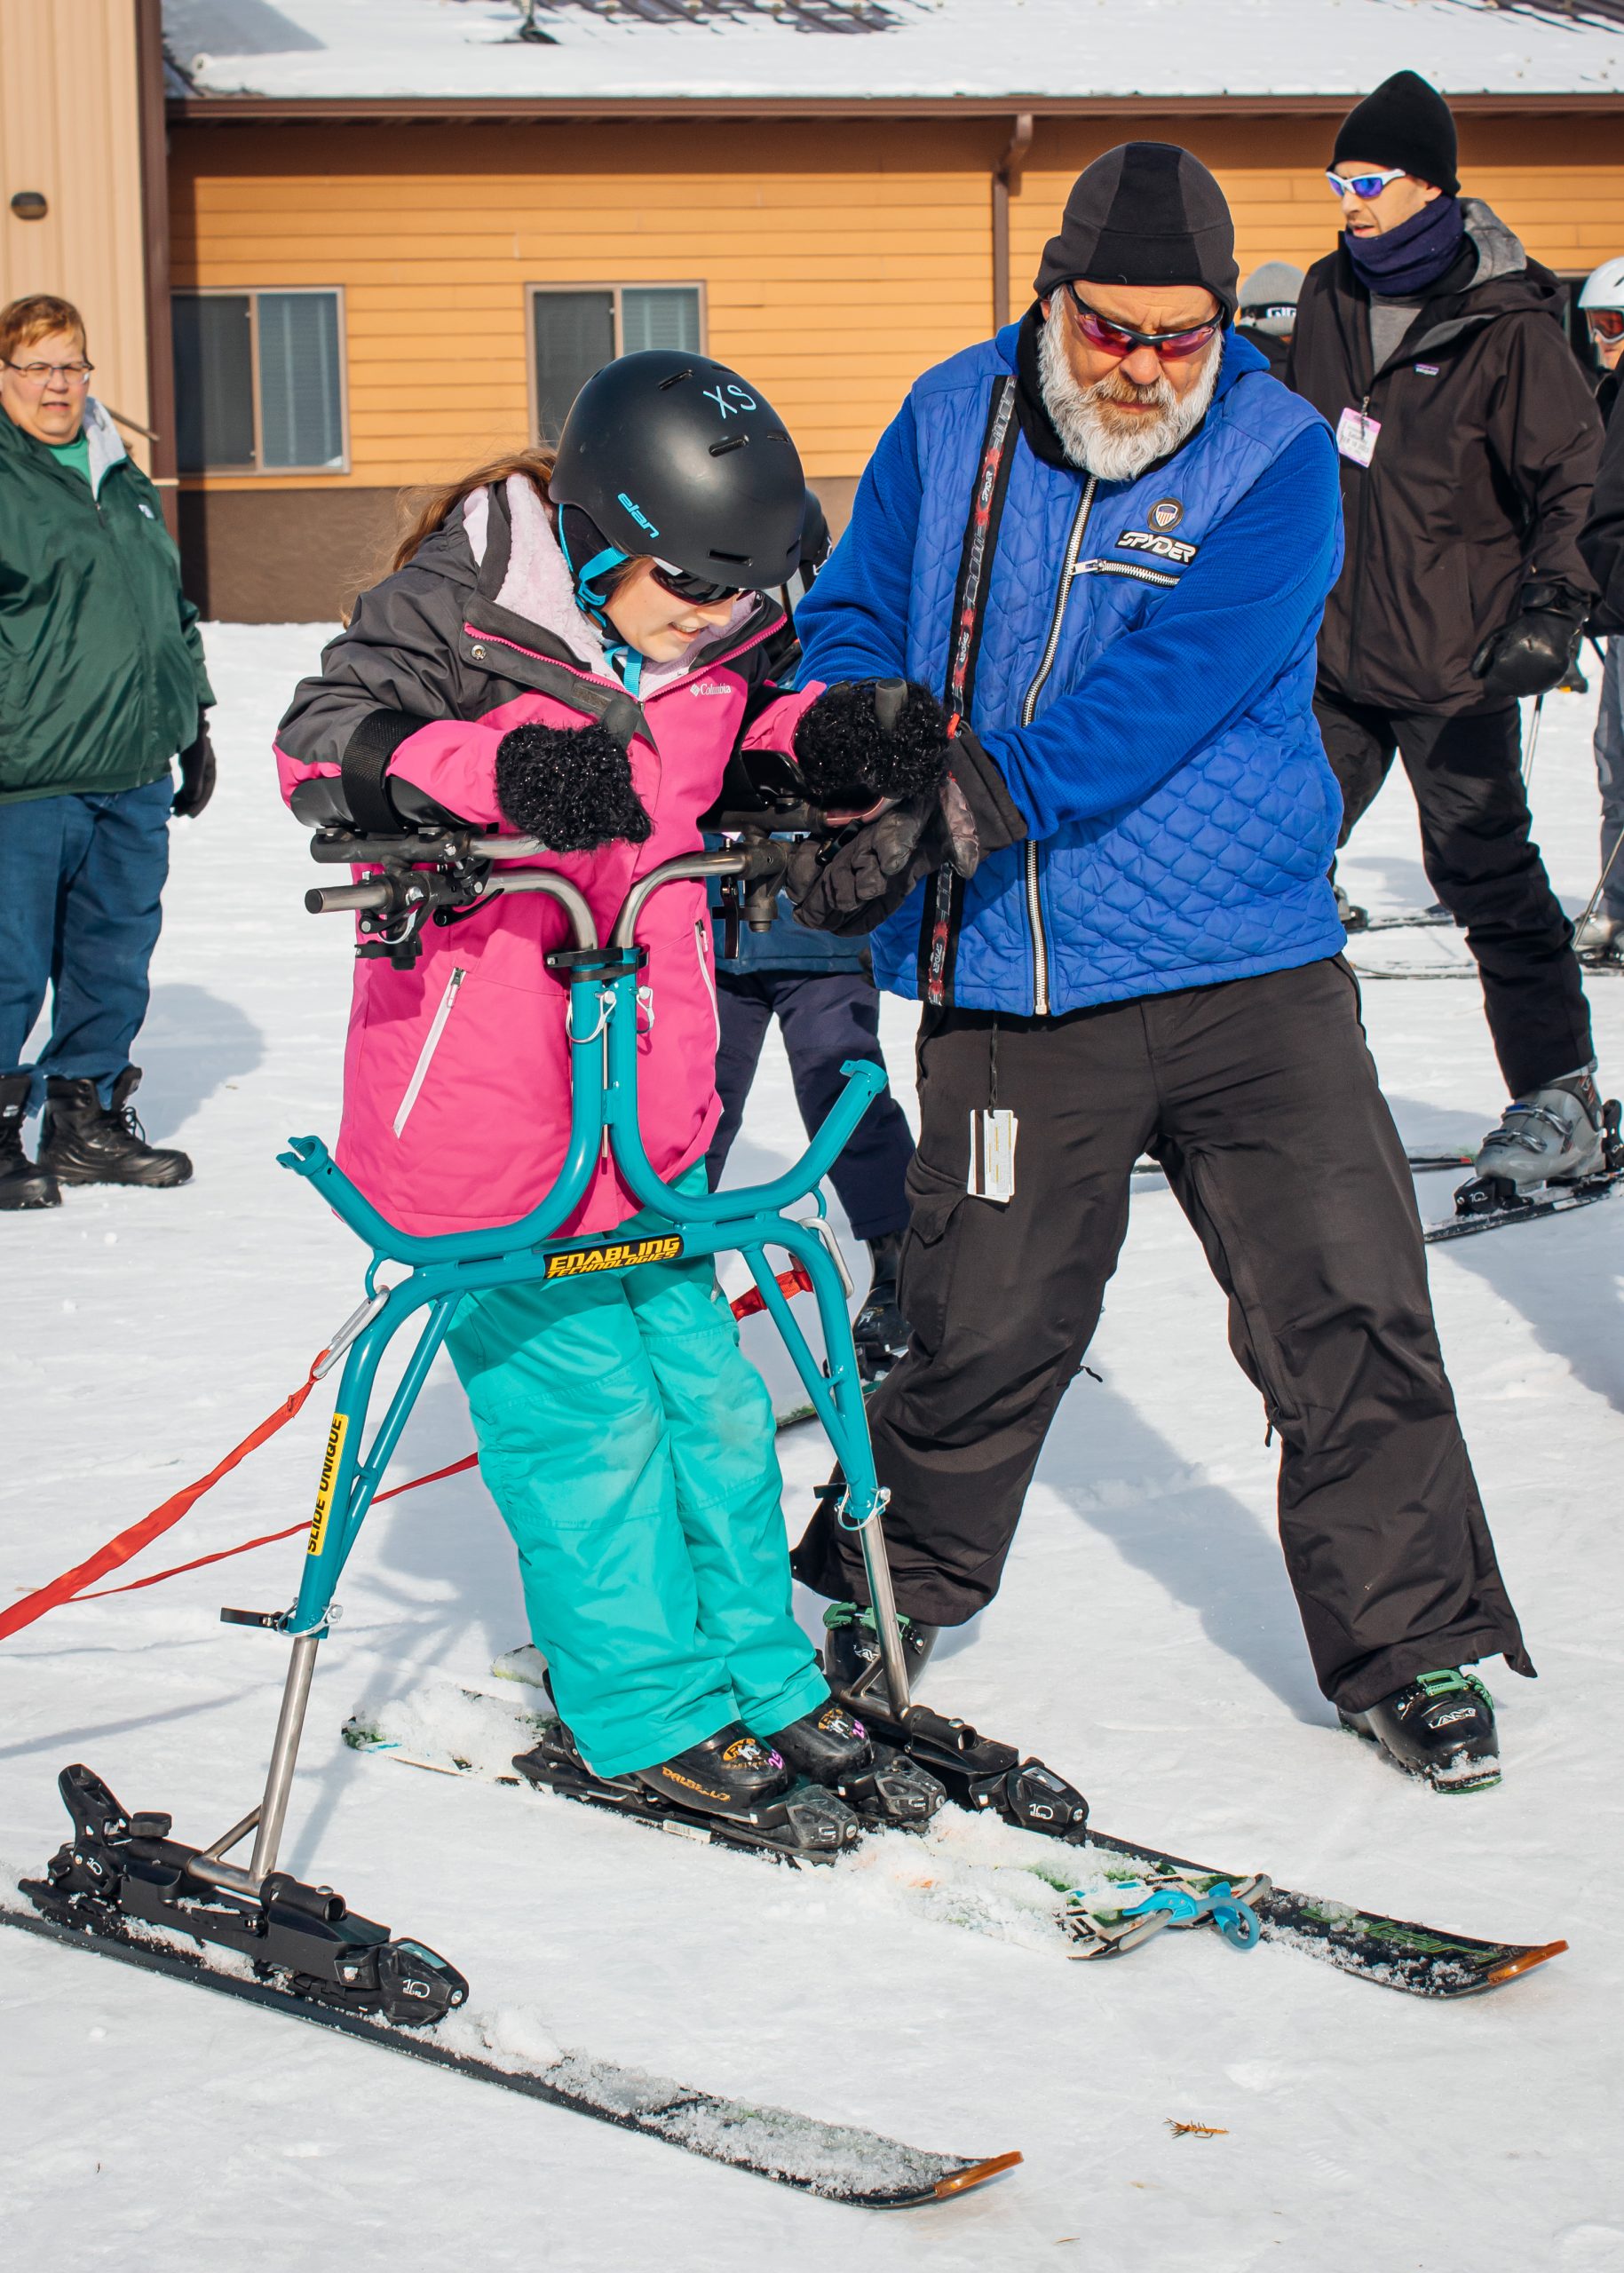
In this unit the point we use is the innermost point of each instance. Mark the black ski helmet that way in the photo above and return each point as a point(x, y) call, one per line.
point(676, 455)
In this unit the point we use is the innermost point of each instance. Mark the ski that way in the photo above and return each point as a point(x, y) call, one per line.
point(1058, 1891)
point(1554, 1200)
point(1414, 919)
point(1420, 1960)
point(832, 2160)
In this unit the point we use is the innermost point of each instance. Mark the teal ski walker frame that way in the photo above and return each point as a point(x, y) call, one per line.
point(604, 1003)
point(120, 1874)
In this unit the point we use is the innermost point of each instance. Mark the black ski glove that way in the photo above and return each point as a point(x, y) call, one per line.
point(571, 786)
point(196, 763)
point(869, 738)
point(1535, 651)
point(849, 884)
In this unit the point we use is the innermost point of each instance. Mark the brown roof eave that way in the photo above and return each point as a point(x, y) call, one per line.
point(392, 110)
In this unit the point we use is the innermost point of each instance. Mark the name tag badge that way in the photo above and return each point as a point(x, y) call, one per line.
point(1356, 436)
point(991, 1156)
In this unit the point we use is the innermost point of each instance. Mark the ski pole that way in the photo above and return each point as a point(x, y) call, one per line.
point(1533, 740)
point(1595, 900)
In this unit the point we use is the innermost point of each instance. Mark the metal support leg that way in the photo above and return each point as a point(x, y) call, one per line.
point(876, 1569)
point(284, 1752)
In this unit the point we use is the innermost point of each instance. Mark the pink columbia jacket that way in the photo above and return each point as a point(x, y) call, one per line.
point(456, 1078)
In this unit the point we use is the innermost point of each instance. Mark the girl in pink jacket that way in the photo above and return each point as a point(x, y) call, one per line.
point(573, 649)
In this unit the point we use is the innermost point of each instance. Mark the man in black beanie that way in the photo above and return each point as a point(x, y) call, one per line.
point(1469, 443)
point(1104, 538)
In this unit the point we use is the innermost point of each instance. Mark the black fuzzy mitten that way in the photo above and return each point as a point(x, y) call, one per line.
point(571, 786)
point(869, 738)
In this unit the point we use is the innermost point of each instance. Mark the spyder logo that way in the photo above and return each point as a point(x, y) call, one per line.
point(741, 401)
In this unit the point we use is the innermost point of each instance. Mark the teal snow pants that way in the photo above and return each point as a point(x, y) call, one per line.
point(629, 1447)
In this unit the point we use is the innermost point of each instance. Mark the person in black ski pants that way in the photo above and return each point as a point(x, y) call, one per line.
point(1106, 537)
point(1469, 444)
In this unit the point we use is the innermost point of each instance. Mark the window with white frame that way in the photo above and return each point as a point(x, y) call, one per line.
point(259, 381)
point(576, 329)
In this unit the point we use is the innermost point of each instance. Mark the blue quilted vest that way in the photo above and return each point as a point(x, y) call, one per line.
point(1219, 874)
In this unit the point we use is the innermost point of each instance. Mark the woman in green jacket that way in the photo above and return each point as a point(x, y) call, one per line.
point(102, 683)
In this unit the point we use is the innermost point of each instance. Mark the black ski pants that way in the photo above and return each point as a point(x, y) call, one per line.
point(825, 1017)
point(1260, 1100)
point(1467, 775)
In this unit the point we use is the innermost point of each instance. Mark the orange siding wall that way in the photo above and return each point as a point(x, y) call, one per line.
point(838, 260)
point(69, 127)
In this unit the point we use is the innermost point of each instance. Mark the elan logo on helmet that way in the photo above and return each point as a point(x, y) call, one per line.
point(637, 512)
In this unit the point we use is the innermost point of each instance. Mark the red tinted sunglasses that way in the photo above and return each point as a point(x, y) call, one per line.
point(1117, 340)
point(1606, 323)
point(681, 586)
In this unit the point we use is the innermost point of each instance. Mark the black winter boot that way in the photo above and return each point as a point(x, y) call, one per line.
point(730, 1773)
point(852, 1644)
point(829, 1747)
point(79, 1143)
point(879, 1329)
point(21, 1183)
point(1441, 1727)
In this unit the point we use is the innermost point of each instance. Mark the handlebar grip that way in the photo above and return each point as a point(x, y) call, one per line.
point(330, 899)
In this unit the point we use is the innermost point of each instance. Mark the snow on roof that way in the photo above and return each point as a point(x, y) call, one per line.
point(851, 50)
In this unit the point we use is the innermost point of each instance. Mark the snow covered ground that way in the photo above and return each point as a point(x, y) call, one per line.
point(1145, 1642)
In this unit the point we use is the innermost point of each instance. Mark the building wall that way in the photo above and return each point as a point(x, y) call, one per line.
point(838, 260)
point(70, 128)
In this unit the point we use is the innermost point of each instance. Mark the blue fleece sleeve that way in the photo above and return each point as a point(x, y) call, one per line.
point(1160, 693)
point(853, 622)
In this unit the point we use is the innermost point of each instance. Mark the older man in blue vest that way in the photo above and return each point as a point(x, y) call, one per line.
point(1104, 539)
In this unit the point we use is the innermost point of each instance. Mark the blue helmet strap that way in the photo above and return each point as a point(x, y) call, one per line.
point(591, 597)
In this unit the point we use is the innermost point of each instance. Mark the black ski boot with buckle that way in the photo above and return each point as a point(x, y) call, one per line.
point(1440, 1727)
point(879, 1329)
point(829, 1746)
point(83, 1141)
point(851, 1647)
point(732, 1787)
point(23, 1184)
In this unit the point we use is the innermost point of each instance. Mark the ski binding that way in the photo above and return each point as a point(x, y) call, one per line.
point(1108, 1934)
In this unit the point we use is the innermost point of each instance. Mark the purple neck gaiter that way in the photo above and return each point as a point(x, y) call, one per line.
point(1413, 256)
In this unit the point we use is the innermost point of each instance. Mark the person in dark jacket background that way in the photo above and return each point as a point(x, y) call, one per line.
point(1267, 312)
point(1468, 441)
point(101, 682)
point(1602, 544)
point(1106, 536)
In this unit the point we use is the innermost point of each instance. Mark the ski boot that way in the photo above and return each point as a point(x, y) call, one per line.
point(852, 1651)
point(879, 1329)
point(1600, 940)
point(830, 1747)
point(82, 1142)
point(23, 1184)
point(1559, 1134)
point(1440, 1727)
point(732, 1787)
point(1351, 918)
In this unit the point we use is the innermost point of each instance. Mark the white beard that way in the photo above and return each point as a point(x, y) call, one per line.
point(1101, 440)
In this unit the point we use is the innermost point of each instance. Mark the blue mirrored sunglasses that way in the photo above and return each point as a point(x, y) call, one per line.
point(1364, 185)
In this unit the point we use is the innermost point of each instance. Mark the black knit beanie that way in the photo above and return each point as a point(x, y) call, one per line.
point(1145, 213)
point(1406, 123)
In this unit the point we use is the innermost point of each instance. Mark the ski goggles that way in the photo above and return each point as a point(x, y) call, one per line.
point(1364, 185)
point(696, 589)
point(1119, 339)
point(1606, 323)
